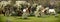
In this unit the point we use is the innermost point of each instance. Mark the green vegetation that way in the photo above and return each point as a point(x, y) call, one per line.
point(2, 19)
point(30, 19)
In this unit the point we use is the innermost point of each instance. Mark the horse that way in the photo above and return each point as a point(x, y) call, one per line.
point(50, 11)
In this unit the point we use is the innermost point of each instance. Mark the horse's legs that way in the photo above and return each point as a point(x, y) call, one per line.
point(55, 13)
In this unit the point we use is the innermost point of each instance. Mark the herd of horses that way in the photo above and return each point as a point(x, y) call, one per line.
point(38, 10)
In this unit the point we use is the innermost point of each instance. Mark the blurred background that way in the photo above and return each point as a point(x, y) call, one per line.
point(17, 6)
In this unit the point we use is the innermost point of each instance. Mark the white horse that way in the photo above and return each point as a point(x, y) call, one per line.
point(49, 11)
